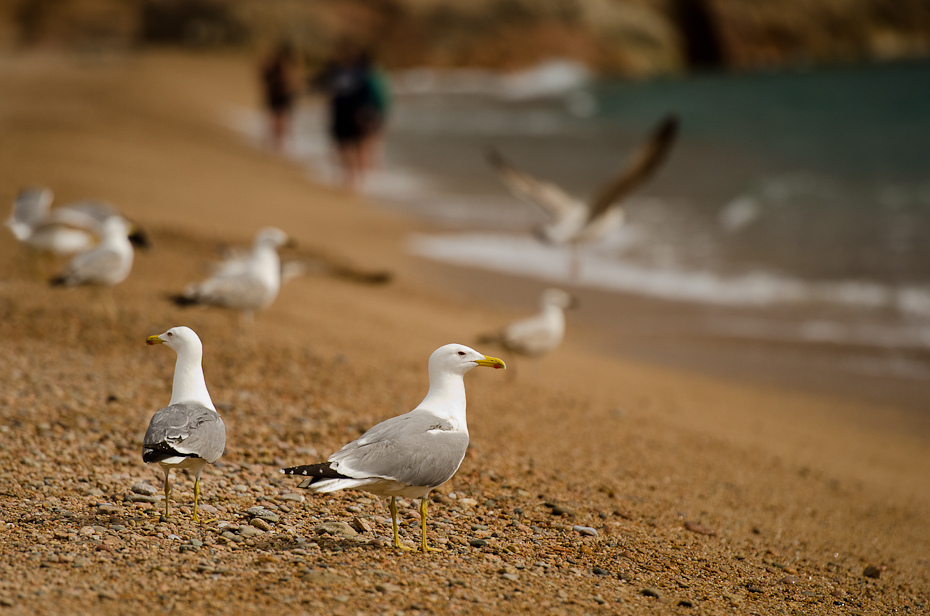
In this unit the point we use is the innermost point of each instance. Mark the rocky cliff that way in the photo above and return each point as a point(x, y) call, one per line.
point(633, 37)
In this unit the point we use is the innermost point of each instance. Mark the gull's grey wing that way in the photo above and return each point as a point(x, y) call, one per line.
point(93, 266)
point(556, 202)
point(235, 263)
point(418, 449)
point(98, 210)
point(87, 214)
point(184, 429)
point(645, 161)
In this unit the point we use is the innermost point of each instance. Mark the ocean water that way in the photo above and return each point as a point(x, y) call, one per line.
point(806, 192)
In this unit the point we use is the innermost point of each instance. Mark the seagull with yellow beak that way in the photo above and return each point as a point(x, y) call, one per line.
point(413, 453)
point(188, 433)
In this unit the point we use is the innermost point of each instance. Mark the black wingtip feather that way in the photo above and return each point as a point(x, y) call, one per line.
point(317, 472)
point(157, 454)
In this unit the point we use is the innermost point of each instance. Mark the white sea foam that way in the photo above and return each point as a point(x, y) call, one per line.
point(524, 256)
point(865, 333)
point(552, 78)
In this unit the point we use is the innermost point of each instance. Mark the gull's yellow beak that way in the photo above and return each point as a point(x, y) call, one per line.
point(491, 362)
point(154, 340)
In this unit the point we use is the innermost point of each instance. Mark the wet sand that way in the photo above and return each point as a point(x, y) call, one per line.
point(679, 335)
point(707, 495)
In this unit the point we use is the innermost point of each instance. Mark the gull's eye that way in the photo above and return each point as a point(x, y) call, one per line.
point(170, 334)
point(461, 352)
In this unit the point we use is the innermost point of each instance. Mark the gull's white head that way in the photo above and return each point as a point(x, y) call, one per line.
point(557, 297)
point(271, 236)
point(116, 226)
point(177, 338)
point(459, 359)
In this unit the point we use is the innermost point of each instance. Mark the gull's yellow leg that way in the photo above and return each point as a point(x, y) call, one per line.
point(195, 517)
point(167, 494)
point(394, 523)
point(423, 545)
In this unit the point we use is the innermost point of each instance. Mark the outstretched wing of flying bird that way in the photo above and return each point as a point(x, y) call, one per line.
point(641, 166)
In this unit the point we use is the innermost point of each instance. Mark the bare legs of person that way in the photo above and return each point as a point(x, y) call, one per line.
point(355, 158)
point(280, 125)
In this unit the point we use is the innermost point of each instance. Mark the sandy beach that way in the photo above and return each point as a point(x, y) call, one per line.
point(594, 483)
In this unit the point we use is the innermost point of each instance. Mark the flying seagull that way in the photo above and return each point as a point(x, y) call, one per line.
point(410, 454)
point(572, 221)
point(188, 433)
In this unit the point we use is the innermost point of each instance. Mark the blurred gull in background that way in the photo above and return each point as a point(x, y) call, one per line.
point(64, 230)
point(107, 264)
point(243, 282)
point(540, 333)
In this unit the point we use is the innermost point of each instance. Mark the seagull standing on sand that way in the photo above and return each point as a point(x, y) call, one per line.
point(540, 333)
point(410, 454)
point(107, 264)
point(245, 283)
point(188, 433)
point(572, 221)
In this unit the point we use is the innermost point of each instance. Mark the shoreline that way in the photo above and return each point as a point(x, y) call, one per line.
point(831, 349)
point(719, 494)
point(661, 333)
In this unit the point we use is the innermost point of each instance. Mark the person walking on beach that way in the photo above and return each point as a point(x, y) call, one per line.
point(357, 104)
point(278, 76)
point(381, 98)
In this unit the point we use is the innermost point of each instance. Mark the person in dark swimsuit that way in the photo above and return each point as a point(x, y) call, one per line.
point(356, 114)
point(278, 78)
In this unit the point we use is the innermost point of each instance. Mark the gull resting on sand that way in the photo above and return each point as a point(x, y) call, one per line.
point(540, 333)
point(244, 283)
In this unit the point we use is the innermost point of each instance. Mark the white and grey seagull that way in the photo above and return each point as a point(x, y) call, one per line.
point(572, 221)
point(188, 433)
point(245, 283)
point(540, 333)
point(106, 264)
point(410, 454)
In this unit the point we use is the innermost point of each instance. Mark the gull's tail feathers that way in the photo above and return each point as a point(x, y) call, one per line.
point(322, 478)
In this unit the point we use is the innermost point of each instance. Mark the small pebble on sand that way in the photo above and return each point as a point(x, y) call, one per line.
point(872, 572)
